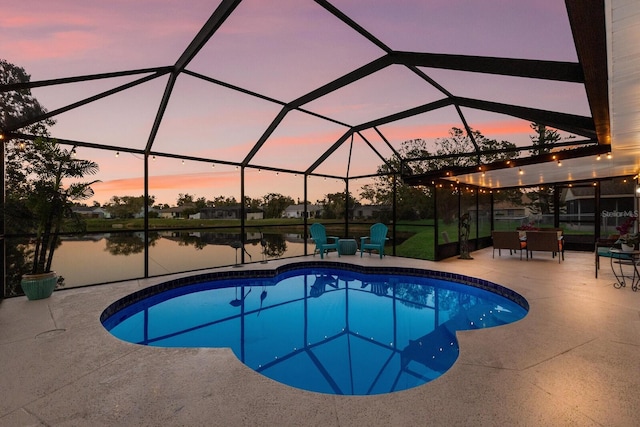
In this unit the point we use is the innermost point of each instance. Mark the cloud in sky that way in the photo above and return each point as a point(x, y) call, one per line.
point(169, 186)
point(166, 188)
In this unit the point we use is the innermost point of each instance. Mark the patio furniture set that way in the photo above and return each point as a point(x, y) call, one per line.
point(545, 240)
point(374, 241)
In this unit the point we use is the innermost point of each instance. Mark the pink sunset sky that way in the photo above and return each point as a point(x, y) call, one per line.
point(280, 49)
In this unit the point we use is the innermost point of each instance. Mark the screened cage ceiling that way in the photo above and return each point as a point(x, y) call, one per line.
point(328, 87)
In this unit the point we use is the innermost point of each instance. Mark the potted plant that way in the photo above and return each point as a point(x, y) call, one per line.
point(628, 240)
point(43, 203)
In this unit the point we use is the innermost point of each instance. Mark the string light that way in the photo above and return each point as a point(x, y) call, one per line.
point(213, 165)
point(609, 156)
point(117, 154)
point(520, 171)
point(598, 157)
point(559, 162)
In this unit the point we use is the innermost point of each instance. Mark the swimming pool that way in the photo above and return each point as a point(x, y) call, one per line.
point(326, 327)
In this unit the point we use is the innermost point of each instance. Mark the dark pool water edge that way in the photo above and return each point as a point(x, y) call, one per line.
point(292, 267)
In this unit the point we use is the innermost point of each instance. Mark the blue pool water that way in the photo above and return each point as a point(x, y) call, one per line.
point(329, 330)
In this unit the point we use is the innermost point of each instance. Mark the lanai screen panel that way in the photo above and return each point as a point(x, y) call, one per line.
point(170, 177)
point(548, 95)
point(261, 182)
point(123, 119)
point(298, 142)
point(391, 90)
point(427, 126)
point(60, 95)
point(518, 29)
point(282, 49)
point(210, 121)
point(70, 38)
point(120, 174)
point(518, 131)
point(351, 159)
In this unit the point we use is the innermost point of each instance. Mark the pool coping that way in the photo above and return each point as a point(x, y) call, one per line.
point(153, 290)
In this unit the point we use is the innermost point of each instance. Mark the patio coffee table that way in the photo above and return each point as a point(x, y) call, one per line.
point(347, 246)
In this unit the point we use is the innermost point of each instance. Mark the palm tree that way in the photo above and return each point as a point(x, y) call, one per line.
point(49, 198)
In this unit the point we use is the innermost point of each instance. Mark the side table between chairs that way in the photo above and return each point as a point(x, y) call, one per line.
point(347, 246)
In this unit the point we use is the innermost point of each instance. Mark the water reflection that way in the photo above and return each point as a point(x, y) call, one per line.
point(328, 331)
point(127, 243)
point(108, 257)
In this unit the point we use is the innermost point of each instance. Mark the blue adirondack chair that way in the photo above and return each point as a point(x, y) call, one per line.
point(322, 241)
point(375, 240)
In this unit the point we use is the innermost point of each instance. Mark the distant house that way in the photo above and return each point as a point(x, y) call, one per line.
point(101, 213)
point(510, 211)
point(168, 213)
point(91, 212)
point(228, 212)
point(297, 211)
point(371, 211)
point(140, 214)
point(617, 202)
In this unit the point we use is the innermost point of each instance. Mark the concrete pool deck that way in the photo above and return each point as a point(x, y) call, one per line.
point(574, 360)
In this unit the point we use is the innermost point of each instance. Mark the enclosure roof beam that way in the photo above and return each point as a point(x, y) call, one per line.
point(217, 18)
point(580, 125)
point(531, 68)
point(587, 20)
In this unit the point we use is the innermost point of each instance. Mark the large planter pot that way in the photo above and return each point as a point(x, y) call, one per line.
point(626, 248)
point(39, 286)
